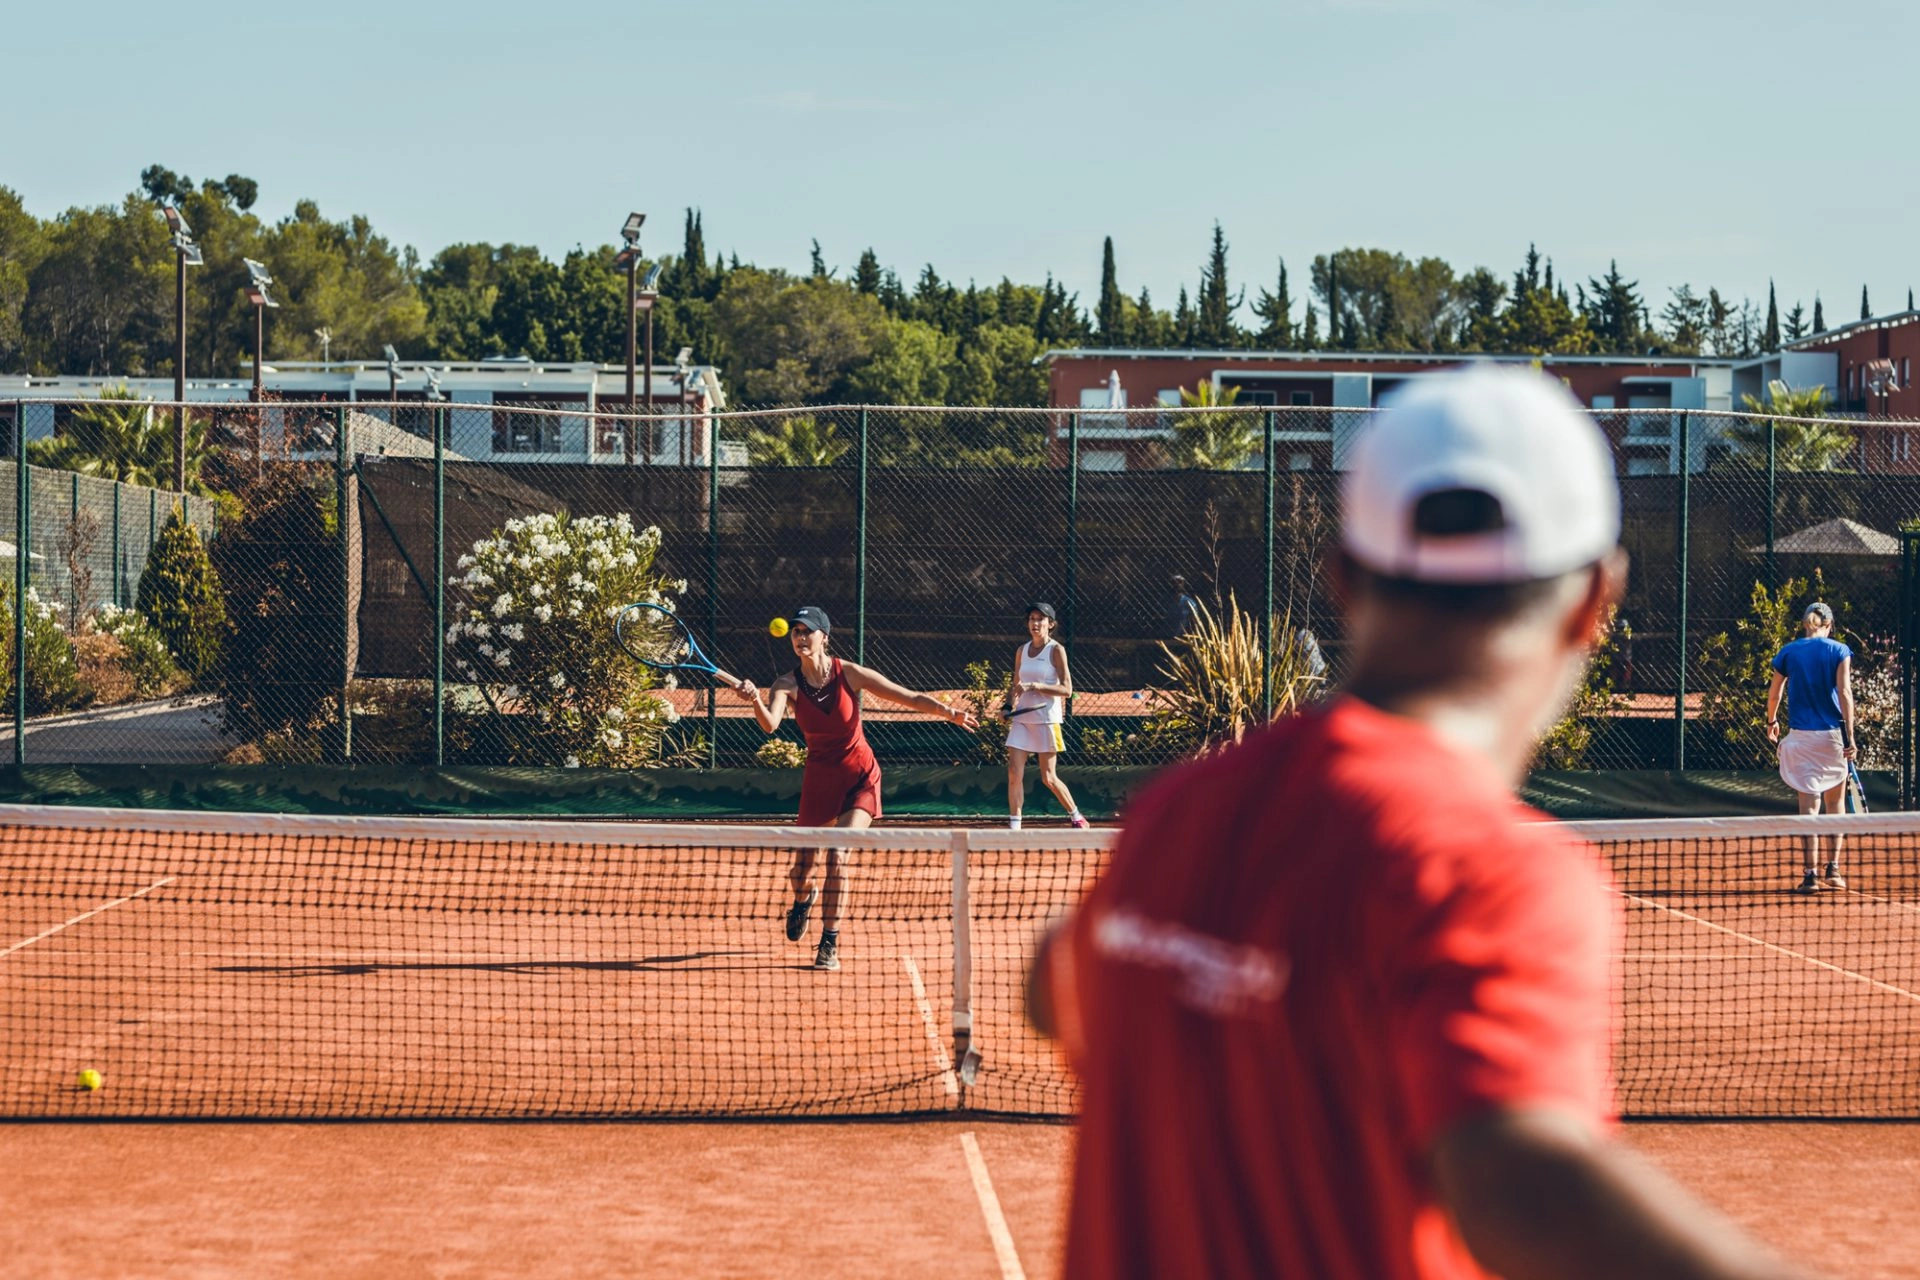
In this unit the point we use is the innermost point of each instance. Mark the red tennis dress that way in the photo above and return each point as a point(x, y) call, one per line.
point(842, 773)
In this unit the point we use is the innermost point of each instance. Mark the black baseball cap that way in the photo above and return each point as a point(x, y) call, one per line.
point(1042, 607)
point(813, 618)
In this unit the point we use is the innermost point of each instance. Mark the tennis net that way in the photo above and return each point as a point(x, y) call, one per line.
point(212, 965)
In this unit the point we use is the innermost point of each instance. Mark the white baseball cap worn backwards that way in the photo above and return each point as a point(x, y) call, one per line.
point(1514, 435)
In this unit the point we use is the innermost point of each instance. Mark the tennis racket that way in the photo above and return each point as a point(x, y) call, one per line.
point(1856, 791)
point(1021, 711)
point(655, 636)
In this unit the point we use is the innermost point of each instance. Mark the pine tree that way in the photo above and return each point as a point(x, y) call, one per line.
point(1310, 331)
point(1183, 321)
point(1112, 313)
point(1213, 325)
point(1819, 316)
point(1770, 337)
point(1796, 323)
point(866, 276)
point(1615, 309)
point(1909, 297)
point(893, 295)
point(820, 271)
point(1276, 310)
point(1386, 331)
point(1866, 311)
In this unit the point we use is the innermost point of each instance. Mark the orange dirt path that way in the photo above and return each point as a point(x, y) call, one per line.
point(736, 1200)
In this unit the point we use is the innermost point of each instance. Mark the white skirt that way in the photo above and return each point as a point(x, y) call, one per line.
point(1029, 734)
point(1813, 761)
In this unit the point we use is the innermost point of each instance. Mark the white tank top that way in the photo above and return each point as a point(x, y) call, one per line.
point(1039, 669)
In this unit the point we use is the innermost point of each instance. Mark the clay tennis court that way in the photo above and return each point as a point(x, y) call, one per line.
point(345, 976)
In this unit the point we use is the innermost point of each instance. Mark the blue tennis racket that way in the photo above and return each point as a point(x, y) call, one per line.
point(1856, 791)
point(655, 636)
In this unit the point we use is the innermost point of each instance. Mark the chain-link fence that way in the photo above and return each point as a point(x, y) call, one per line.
point(359, 569)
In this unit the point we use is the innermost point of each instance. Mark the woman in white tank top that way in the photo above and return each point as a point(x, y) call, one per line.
point(1040, 681)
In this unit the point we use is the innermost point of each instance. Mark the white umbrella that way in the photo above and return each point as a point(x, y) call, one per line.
point(8, 552)
point(1116, 398)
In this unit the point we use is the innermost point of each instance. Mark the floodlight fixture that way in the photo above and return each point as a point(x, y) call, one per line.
point(683, 357)
point(393, 357)
point(433, 384)
point(257, 271)
point(652, 281)
point(190, 254)
point(176, 221)
point(1881, 379)
point(630, 229)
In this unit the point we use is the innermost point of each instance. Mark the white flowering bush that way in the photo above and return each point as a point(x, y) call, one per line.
point(53, 675)
point(144, 655)
point(533, 623)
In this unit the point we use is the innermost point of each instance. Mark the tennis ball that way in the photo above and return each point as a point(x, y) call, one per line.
point(778, 627)
point(89, 1079)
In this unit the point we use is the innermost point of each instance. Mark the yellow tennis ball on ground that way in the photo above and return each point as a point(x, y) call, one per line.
point(778, 627)
point(89, 1079)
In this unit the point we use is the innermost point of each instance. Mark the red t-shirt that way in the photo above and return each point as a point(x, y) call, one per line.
point(1312, 956)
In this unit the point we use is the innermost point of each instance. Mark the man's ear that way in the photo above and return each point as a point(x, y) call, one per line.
point(1606, 585)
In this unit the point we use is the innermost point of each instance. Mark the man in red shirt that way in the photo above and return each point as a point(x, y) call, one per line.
point(1341, 1007)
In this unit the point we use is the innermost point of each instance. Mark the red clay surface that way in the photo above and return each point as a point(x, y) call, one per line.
point(737, 1200)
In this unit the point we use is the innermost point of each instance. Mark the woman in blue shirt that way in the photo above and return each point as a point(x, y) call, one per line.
point(1816, 674)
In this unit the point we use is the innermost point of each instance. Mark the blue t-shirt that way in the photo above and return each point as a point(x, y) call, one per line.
point(1810, 665)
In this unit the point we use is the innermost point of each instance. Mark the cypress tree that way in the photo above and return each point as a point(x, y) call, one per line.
point(1213, 324)
point(1770, 340)
point(1112, 313)
point(1819, 316)
point(1866, 311)
point(181, 600)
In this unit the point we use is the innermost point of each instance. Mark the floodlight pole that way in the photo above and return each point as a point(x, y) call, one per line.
point(648, 393)
point(633, 320)
point(180, 369)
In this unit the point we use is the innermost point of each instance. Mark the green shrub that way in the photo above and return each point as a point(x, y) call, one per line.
point(53, 674)
point(281, 565)
point(144, 656)
point(180, 598)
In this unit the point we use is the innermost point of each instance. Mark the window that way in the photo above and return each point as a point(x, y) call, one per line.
point(1097, 397)
point(1103, 460)
point(1170, 397)
point(1901, 446)
point(1300, 398)
point(1251, 397)
point(1906, 371)
point(1300, 462)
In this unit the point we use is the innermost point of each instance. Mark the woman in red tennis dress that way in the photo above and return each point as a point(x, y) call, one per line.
point(841, 786)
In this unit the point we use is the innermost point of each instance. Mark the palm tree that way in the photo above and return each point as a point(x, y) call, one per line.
point(120, 437)
point(1213, 441)
point(1804, 438)
point(795, 442)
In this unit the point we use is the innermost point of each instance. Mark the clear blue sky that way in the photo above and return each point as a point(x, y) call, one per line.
point(1708, 141)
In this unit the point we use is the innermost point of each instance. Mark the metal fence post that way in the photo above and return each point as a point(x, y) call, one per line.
point(342, 428)
point(116, 544)
point(439, 587)
point(1907, 647)
point(1682, 536)
point(713, 579)
point(73, 588)
point(1073, 526)
point(1266, 556)
point(860, 553)
point(22, 529)
point(1773, 441)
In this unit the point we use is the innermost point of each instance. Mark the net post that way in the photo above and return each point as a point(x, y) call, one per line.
point(713, 581)
point(22, 518)
point(1682, 536)
point(860, 554)
point(966, 1054)
point(439, 587)
point(1266, 556)
point(342, 427)
point(1073, 524)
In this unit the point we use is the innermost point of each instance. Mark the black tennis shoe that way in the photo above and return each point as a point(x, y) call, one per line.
point(797, 915)
point(828, 954)
point(1833, 877)
point(1810, 883)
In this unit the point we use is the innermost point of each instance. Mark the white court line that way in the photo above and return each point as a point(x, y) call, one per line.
point(1888, 987)
point(1003, 1250)
point(86, 915)
point(933, 1034)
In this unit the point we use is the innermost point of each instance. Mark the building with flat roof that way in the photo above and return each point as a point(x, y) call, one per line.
point(498, 409)
point(1316, 382)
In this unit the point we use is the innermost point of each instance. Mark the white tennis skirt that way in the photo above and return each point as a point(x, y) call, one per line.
point(1813, 760)
point(1028, 734)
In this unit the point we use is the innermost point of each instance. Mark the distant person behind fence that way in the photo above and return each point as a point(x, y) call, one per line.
point(1816, 674)
point(1183, 611)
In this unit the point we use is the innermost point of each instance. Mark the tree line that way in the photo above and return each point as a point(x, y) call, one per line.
point(90, 291)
